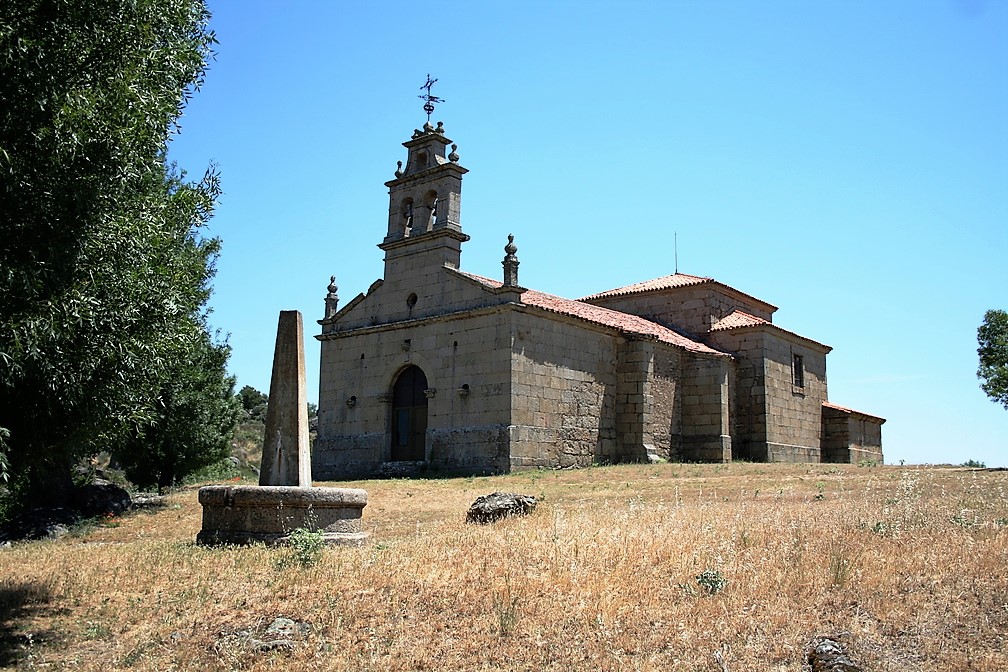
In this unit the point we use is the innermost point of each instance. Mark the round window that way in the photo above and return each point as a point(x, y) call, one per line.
point(411, 300)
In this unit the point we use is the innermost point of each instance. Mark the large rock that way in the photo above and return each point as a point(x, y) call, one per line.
point(826, 655)
point(101, 498)
point(497, 505)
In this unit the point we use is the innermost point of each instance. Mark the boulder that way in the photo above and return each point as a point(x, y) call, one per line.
point(497, 505)
point(100, 498)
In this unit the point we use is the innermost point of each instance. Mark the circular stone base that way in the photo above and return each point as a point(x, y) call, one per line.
point(244, 514)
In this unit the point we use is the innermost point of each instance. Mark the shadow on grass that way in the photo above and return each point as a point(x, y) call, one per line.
point(18, 601)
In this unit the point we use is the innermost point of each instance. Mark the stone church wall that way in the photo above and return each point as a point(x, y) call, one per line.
point(666, 414)
point(794, 426)
point(466, 363)
point(774, 419)
point(563, 394)
point(850, 437)
point(389, 301)
point(706, 434)
point(748, 393)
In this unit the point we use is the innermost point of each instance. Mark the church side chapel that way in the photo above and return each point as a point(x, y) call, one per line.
point(439, 370)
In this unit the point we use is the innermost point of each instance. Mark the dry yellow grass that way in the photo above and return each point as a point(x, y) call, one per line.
point(910, 561)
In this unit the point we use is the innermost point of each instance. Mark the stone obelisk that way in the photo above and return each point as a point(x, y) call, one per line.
point(286, 457)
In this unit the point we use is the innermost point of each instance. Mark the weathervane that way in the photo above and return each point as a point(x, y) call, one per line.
point(428, 99)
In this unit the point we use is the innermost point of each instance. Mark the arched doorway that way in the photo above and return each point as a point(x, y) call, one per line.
point(409, 415)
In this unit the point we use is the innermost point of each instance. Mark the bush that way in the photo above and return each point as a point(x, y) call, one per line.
point(305, 548)
point(711, 581)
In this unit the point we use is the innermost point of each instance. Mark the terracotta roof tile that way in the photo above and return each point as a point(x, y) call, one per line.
point(664, 282)
point(672, 282)
point(597, 315)
point(736, 320)
point(740, 320)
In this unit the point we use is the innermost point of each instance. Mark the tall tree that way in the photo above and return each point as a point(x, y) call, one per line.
point(993, 351)
point(103, 271)
point(195, 414)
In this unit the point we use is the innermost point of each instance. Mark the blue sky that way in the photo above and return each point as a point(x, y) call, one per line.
point(845, 161)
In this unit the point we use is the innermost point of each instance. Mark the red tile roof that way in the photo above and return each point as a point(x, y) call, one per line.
point(624, 322)
point(740, 320)
point(736, 320)
point(672, 282)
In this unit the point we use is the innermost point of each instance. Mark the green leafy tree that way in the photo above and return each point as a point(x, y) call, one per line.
point(103, 272)
point(253, 402)
point(993, 351)
point(195, 416)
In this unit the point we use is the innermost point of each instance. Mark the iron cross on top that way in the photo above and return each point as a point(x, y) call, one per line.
point(428, 99)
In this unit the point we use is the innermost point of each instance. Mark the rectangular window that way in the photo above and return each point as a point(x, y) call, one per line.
point(798, 371)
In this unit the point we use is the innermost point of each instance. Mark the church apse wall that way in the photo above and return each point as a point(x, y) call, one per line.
point(747, 403)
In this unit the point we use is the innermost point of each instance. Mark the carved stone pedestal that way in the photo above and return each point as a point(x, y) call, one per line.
point(243, 514)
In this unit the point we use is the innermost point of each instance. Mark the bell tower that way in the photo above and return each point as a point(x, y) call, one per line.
point(425, 201)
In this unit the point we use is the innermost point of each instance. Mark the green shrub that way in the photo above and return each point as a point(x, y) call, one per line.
point(711, 581)
point(305, 548)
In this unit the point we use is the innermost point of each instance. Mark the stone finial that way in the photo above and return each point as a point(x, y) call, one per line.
point(332, 298)
point(454, 157)
point(440, 128)
point(286, 459)
point(428, 128)
point(510, 263)
point(398, 171)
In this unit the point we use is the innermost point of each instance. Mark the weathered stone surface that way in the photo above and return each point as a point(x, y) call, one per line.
point(286, 458)
point(497, 505)
point(282, 634)
point(826, 655)
point(268, 514)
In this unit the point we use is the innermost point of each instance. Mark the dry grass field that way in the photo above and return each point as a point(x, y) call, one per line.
point(910, 562)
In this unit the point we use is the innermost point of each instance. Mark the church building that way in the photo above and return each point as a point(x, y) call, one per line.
point(438, 370)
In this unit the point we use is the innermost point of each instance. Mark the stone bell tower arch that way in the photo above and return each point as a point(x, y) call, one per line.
point(425, 204)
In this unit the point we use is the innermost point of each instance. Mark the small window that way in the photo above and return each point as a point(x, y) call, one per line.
point(798, 371)
point(411, 301)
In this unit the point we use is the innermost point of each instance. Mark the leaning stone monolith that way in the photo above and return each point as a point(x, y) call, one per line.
point(286, 458)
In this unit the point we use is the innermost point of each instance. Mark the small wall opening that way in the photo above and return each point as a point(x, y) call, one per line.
point(431, 203)
point(406, 215)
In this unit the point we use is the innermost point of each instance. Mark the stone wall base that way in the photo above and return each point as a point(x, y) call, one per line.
point(768, 451)
point(714, 448)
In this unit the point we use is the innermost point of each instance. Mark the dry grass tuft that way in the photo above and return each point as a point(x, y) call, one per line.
point(616, 570)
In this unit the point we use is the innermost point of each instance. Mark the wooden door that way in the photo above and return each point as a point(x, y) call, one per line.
point(409, 416)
